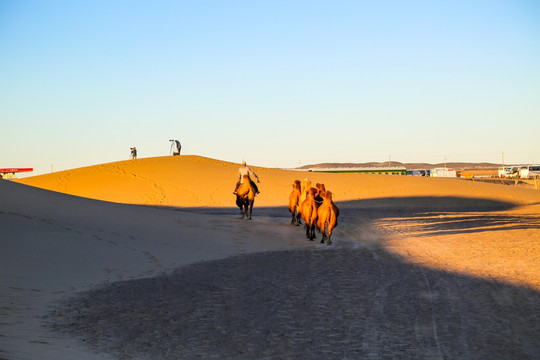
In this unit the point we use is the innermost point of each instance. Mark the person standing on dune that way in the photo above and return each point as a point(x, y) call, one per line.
point(245, 170)
point(134, 152)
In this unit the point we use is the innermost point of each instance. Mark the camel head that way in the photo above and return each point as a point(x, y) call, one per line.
point(329, 196)
point(306, 184)
point(321, 190)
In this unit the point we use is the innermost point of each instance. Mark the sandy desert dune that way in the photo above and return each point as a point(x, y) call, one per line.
point(149, 259)
point(194, 181)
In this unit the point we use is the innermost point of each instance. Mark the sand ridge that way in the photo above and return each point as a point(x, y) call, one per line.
point(193, 181)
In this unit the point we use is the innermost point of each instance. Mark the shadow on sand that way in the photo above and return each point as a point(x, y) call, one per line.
point(324, 302)
point(425, 215)
point(428, 216)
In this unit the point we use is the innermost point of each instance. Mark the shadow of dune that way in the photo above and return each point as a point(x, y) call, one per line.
point(427, 216)
point(428, 204)
point(326, 302)
point(416, 204)
point(307, 304)
point(350, 302)
point(445, 224)
point(423, 215)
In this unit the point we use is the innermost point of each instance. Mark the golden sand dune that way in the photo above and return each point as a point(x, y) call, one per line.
point(421, 267)
point(470, 227)
point(192, 181)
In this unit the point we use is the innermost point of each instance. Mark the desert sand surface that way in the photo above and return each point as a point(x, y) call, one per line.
point(195, 181)
point(148, 259)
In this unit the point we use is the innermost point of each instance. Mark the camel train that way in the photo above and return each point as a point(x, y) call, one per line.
point(315, 206)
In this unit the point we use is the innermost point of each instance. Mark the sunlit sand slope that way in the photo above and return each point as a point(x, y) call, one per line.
point(191, 181)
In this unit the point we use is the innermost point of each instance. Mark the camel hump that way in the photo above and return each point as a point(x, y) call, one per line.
point(246, 188)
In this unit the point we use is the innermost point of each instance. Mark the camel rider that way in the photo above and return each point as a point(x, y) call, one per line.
point(245, 170)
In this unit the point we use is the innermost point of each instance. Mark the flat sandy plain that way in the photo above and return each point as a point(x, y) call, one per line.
point(148, 259)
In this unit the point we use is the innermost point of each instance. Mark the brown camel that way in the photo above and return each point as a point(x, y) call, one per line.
point(309, 213)
point(294, 203)
point(304, 188)
point(245, 197)
point(321, 193)
point(320, 188)
point(327, 215)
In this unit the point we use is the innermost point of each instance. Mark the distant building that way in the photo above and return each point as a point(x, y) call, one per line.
point(443, 172)
point(418, 172)
point(392, 170)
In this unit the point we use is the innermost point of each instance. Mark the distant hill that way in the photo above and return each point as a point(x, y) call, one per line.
point(408, 166)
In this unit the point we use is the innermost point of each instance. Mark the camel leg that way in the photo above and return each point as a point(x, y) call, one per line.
point(307, 231)
point(244, 210)
point(329, 242)
point(323, 232)
point(310, 233)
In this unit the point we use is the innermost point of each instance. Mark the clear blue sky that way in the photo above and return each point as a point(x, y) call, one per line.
point(277, 83)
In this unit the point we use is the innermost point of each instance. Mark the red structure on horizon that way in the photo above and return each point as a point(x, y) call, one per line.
point(12, 171)
point(15, 170)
